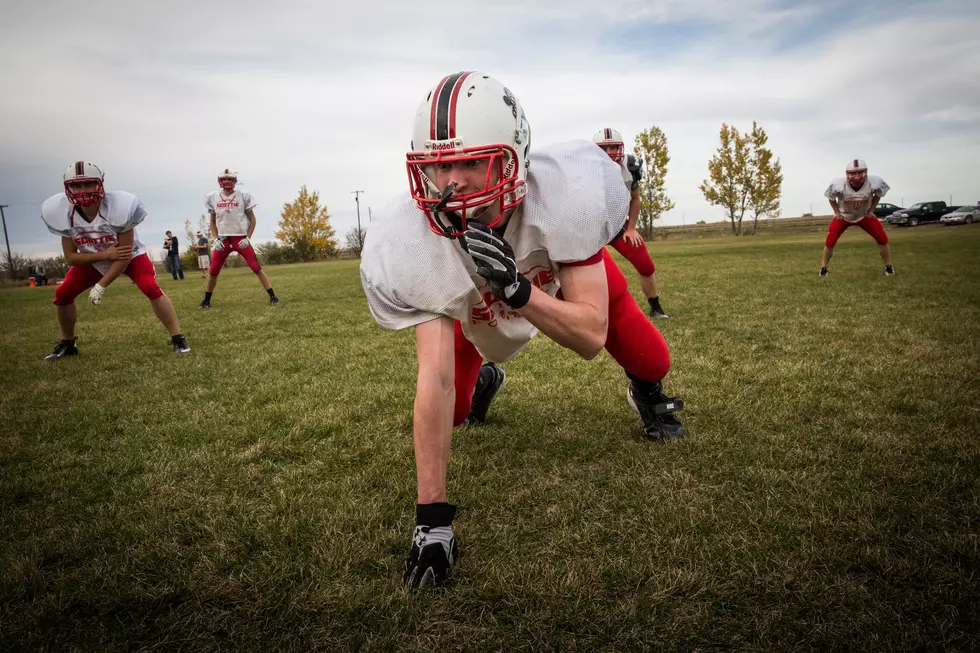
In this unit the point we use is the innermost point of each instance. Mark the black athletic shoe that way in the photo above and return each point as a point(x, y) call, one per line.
point(488, 384)
point(433, 554)
point(823, 272)
point(206, 303)
point(889, 270)
point(273, 301)
point(180, 344)
point(62, 349)
point(656, 410)
point(658, 313)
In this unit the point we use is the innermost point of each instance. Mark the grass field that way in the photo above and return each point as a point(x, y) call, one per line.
point(258, 494)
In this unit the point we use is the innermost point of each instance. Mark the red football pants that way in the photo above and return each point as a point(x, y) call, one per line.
point(871, 225)
point(82, 277)
point(631, 340)
point(637, 255)
point(218, 256)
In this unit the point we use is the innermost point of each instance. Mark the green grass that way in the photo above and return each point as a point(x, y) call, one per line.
point(258, 494)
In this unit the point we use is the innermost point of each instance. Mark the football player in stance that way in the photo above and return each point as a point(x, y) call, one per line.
point(98, 236)
point(232, 224)
point(493, 245)
point(854, 200)
point(629, 242)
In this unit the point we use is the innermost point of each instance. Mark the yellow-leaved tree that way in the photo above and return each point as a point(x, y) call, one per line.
point(651, 148)
point(730, 178)
point(304, 226)
point(766, 177)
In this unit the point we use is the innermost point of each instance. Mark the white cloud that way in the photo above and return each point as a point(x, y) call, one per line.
point(296, 93)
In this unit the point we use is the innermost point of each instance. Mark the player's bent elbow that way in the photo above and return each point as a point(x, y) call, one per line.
point(593, 344)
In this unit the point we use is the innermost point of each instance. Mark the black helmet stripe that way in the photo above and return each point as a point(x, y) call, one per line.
point(79, 168)
point(442, 104)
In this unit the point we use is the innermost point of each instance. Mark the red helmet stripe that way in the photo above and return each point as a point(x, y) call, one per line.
point(434, 106)
point(440, 104)
point(452, 104)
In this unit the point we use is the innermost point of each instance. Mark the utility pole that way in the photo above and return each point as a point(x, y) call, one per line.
point(357, 200)
point(4, 218)
point(369, 215)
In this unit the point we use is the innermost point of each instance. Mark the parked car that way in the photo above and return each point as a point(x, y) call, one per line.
point(962, 215)
point(921, 212)
point(884, 209)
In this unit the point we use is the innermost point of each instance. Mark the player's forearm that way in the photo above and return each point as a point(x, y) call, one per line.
point(251, 227)
point(634, 212)
point(214, 227)
point(835, 207)
point(573, 325)
point(87, 258)
point(114, 271)
point(435, 398)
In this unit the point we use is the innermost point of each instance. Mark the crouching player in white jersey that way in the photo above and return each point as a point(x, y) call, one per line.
point(629, 242)
point(232, 224)
point(491, 247)
point(854, 200)
point(98, 237)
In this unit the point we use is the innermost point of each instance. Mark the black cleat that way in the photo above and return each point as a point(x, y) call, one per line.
point(488, 384)
point(656, 410)
point(62, 349)
point(658, 313)
point(823, 272)
point(273, 301)
point(429, 562)
point(889, 270)
point(205, 304)
point(180, 344)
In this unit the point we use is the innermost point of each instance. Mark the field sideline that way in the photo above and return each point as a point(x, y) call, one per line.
point(258, 493)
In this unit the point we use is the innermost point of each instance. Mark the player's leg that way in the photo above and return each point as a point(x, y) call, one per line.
point(476, 384)
point(78, 279)
point(217, 262)
point(143, 274)
point(834, 231)
point(872, 226)
point(642, 352)
point(639, 258)
point(248, 253)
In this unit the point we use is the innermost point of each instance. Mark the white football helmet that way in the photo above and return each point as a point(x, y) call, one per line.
point(82, 172)
point(611, 141)
point(468, 116)
point(857, 173)
point(227, 180)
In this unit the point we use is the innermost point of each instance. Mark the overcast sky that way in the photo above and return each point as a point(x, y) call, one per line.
point(164, 95)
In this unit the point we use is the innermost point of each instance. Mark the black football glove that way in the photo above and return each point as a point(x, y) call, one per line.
point(495, 262)
point(434, 549)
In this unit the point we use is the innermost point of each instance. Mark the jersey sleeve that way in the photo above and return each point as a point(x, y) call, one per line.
point(387, 308)
point(209, 203)
point(129, 214)
point(54, 214)
point(249, 201)
point(878, 186)
point(835, 190)
point(577, 202)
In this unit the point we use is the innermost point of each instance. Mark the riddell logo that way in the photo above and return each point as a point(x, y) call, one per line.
point(442, 146)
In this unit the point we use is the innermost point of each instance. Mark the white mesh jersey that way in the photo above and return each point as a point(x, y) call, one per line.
point(119, 212)
point(229, 211)
point(575, 205)
point(855, 204)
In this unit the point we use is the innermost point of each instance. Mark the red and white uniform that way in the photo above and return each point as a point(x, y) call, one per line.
point(411, 275)
point(120, 211)
point(638, 255)
point(230, 211)
point(855, 204)
point(575, 204)
point(230, 216)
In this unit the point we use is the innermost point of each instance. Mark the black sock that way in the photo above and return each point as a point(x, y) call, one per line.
point(176, 338)
point(655, 303)
point(207, 297)
point(272, 293)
